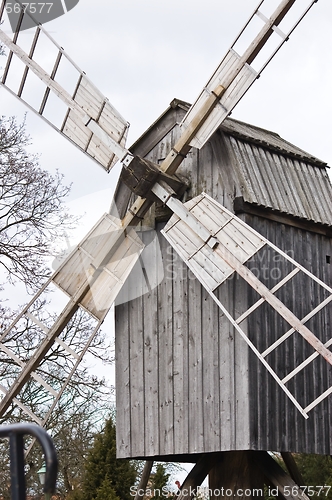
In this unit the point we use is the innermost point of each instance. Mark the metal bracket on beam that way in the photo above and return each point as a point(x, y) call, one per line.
point(166, 194)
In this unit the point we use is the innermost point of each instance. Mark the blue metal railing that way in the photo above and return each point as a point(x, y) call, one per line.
point(15, 433)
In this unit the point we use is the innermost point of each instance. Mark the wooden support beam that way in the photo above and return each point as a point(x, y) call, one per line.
point(236, 477)
point(144, 480)
point(275, 475)
point(142, 174)
point(197, 475)
point(293, 468)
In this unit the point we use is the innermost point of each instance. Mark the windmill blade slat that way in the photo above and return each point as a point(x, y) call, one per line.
point(227, 102)
point(188, 242)
point(89, 121)
point(89, 98)
point(76, 132)
point(237, 243)
point(107, 286)
point(77, 270)
point(100, 152)
point(212, 220)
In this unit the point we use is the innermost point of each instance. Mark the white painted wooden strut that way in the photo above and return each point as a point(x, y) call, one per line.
point(238, 242)
point(57, 340)
point(262, 300)
point(292, 330)
point(46, 417)
point(305, 363)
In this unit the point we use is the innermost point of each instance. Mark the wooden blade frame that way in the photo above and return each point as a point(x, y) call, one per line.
point(233, 244)
point(92, 276)
point(235, 72)
point(90, 122)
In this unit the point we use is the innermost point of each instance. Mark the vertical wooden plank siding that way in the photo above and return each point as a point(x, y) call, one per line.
point(178, 272)
point(226, 373)
point(195, 371)
point(241, 370)
point(166, 398)
point(150, 362)
point(137, 384)
point(123, 380)
point(210, 376)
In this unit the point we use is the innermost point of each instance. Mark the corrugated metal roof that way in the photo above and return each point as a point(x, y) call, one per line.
point(282, 182)
point(266, 138)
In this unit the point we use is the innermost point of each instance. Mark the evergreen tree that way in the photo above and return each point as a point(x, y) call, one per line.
point(160, 481)
point(106, 491)
point(316, 471)
point(105, 476)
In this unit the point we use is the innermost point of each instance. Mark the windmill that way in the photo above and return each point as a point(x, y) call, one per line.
point(212, 241)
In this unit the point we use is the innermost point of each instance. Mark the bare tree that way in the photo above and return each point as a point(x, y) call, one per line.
point(32, 214)
point(56, 367)
point(80, 412)
point(32, 219)
point(73, 434)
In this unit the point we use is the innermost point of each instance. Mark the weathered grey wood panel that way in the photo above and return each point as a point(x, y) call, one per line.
point(275, 424)
point(182, 369)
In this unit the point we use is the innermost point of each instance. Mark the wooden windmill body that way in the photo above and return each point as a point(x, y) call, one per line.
point(222, 353)
point(189, 384)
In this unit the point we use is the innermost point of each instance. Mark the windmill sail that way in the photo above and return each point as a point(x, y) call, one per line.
point(236, 73)
point(91, 276)
point(236, 244)
point(86, 117)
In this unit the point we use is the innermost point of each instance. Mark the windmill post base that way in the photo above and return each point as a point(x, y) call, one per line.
point(236, 476)
point(243, 475)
